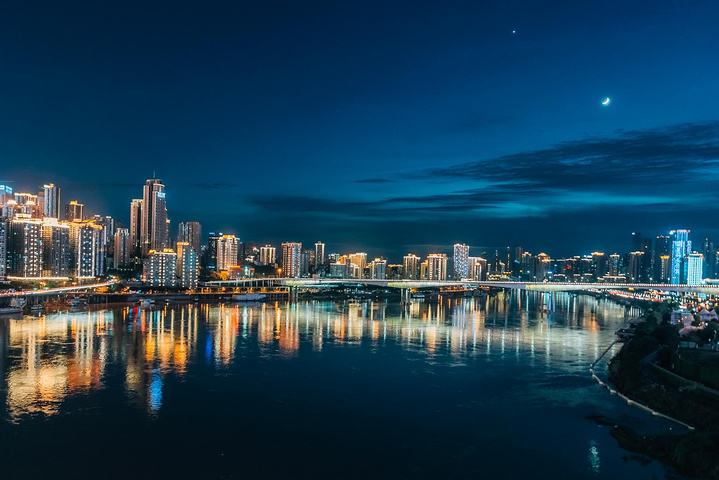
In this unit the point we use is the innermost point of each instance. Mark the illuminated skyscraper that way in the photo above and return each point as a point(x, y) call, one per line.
point(190, 232)
point(3, 247)
point(74, 211)
point(378, 269)
point(461, 261)
point(291, 252)
point(268, 255)
point(135, 221)
point(478, 268)
point(634, 266)
point(436, 266)
point(693, 268)
point(88, 249)
point(226, 251)
point(410, 266)
point(188, 266)
point(319, 254)
point(360, 260)
point(681, 247)
point(153, 226)
point(24, 247)
point(159, 269)
point(56, 252)
point(51, 200)
point(121, 248)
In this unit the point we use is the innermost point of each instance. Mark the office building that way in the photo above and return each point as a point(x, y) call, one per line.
point(291, 253)
point(319, 254)
point(460, 261)
point(634, 266)
point(694, 268)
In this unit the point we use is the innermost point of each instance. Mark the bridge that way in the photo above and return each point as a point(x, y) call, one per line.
point(294, 283)
point(56, 291)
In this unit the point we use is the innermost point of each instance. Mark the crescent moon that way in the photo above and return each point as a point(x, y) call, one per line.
point(606, 101)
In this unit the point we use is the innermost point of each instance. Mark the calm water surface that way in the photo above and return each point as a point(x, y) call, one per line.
point(493, 387)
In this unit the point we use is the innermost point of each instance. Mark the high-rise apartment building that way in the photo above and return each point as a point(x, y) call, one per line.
point(51, 200)
point(360, 260)
point(122, 247)
point(477, 268)
point(319, 254)
point(378, 269)
point(188, 266)
point(3, 247)
point(634, 266)
point(74, 211)
point(159, 268)
point(135, 222)
point(24, 247)
point(88, 250)
point(268, 255)
point(226, 248)
point(461, 261)
point(291, 261)
point(154, 223)
point(56, 252)
point(190, 232)
point(694, 268)
point(410, 266)
point(437, 266)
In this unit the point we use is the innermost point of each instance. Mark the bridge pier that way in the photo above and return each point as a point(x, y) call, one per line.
point(405, 296)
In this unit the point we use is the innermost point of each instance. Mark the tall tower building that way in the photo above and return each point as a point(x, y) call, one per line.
point(681, 247)
point(121, 248)
point(227, 250)
point(268, 255)
point(74, 211)
point(56, 254)
point(51, 200)
point(437, 266)
point(360, 260)
point(188, 266)
point(693, 268)
point(478, 268)
point(159, 268)
point(319, 254)
point(135, 221)
point(190, 232)
point(461, 261)
point(153, 225)
point(3, 248)
point(291, 253)
point(410, 266)
point(24, 247)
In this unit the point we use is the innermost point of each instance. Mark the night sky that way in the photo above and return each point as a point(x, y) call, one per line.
point(383, 126)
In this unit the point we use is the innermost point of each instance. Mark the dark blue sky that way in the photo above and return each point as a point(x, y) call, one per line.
point(388, 126)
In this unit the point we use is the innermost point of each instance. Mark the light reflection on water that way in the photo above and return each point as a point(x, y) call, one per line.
point(45, 360)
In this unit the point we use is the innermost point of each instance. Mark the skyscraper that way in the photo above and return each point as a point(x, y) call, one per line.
point(88, 250)
point(153, 226)
point(3, 247)
point(378, 269)
point(693, 268)
point(135, 221)
point(190, 232)
point(24, 247)
point(291, 252)
point(74, 211)
point(159, 268)
point(681, 247)
point(51, 200)
point(360, 260)
point(634, 266)
point(268, 255)
point(461, 261)
point(436, 266)
point(188, 267)
point(478, 268)
point(121, 248)
point(56, 253)
point(319, 254)
point(226, 251)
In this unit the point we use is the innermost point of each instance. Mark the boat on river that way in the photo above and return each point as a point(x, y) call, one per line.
point(17, 306)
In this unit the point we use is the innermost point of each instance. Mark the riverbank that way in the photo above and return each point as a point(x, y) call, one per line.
point(643, 371)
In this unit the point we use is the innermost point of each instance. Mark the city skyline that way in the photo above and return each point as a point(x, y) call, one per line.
point(405, 124)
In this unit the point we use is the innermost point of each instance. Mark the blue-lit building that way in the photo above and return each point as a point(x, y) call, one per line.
point(681, 247)
point(693, 268)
